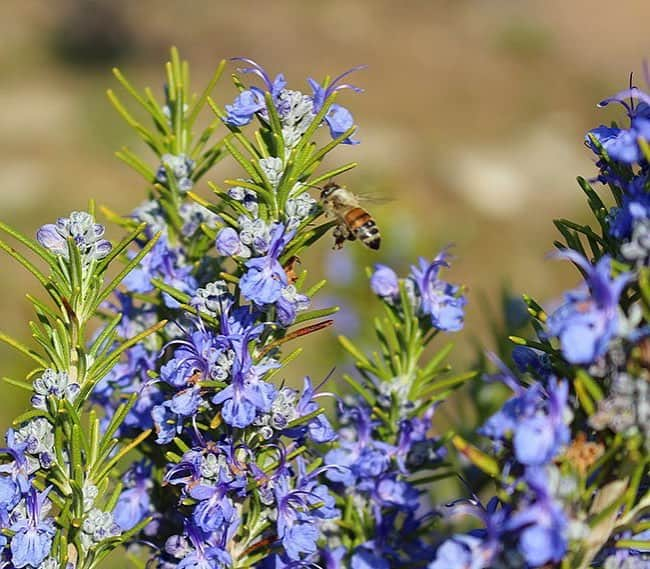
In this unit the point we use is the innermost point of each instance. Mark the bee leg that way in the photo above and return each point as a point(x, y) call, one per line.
point(340, 235)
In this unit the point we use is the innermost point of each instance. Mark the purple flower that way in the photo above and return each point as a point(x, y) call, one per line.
point(622, 144)
point(289, 303)
point(265, 278)
point(587, 321)
point(541, 523)
point(535, 418)
point(634, 207)
point(167, 424)
point(364, 463)
point(19, 468)
point(168, 417)
point(229, 244)
point(166, 263)
point(319, 428)
point(528, 359)
point(365, 559)
point(538, 439)
point(414, 447)
point(134, 503)
point(9, 493)
point(384, 282)
point(244, 107)
point(201, 552)
point(338, 119)
point(32, 541)
point(251, 101)
point(438, 299)
point(459, 552)
point(299, 509)
point(215, 511)
point(186, 402)
point(392, 492)
point(247, 393)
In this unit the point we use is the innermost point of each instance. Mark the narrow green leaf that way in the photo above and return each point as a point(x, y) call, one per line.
point(19, 383)
point(477, 457)
point(25, 263)
point(121, 454)
point(135, 163)
point(314, 314)
point(103, 340)
point(195, 109)
point(34, 246)
point(356, 386)
point(320, 154)
point(102, 367)
point(332, 173)
point(23, 350)
point(28, 415)
point(354, 351)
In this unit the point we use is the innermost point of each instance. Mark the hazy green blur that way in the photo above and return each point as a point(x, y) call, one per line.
point(471, 123)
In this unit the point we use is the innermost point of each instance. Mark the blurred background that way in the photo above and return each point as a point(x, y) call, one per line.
point(471, 124)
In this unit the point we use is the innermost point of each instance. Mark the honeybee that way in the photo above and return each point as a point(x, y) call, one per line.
point(354, 221)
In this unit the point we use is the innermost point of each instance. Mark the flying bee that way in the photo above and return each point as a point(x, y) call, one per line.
point(354, 221)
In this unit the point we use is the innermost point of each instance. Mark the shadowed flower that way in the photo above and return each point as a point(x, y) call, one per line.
point(634, 208)
point(535, 418)
point(541, 524)
point(587, 321)
point(134, 503)
point(459, 552)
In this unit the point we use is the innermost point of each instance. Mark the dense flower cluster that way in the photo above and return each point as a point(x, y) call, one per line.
point(552, 436)
point(375, 476)
point(233, 464)
point(25, 510)
point(38, 462)
point(622, 154)
point(241, 487)
point(530, 431)
point(384, 436)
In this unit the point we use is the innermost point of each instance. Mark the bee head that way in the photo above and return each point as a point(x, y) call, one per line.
point(328, 190)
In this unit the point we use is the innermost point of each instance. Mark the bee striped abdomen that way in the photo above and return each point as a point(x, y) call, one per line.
point(363, 227)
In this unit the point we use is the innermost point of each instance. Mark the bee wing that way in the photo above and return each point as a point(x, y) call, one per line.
point(378, 199)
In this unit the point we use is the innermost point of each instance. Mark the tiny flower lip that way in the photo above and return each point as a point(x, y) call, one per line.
point(621, 96)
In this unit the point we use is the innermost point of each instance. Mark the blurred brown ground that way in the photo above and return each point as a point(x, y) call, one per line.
point(472, 120)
